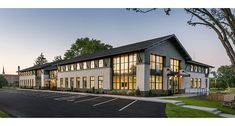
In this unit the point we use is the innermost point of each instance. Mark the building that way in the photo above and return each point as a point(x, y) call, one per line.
point(13, 80)
point(161, 65)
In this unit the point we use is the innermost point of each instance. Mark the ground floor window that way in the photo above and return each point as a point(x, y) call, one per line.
point(66, 82)
point(61, 82)
point(92, 82)
point(77, 82)
point(124, 82)
point(195, 82)
point(84, 82)
point(100, 82)
point(71, 82)
point(156, 82)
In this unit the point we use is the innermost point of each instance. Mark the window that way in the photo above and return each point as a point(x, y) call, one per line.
point(156, 62)
point(77, 82)
point(92, 82)
point(174, 65)
point(84, 65)
point(84, 82)
point(92, 64)
point(74, 66)
point(78, 66)
point(206, 71)
point(199, 83)
point(195, 83)
point(191, 69)
point(191, 82)
point(101, 63)
point(100, 82)
point(156, 82)
point(124, 71)
point(195, 68)
point(66, 82)
point(72, 82)
point(71, 66)
point(61, 82)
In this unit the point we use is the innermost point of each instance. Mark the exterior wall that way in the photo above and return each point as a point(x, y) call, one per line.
point(142, 77)
point(105, 72)
point(30, 77)
point(203, 88)
point(167, 50)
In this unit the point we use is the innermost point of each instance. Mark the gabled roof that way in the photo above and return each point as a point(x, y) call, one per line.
point(47, 66)
point(130, 48)
point(198, 63)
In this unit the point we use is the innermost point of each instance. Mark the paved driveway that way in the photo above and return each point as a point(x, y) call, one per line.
point(20, 103)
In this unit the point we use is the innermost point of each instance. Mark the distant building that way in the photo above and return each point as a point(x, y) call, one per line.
point(12, 79)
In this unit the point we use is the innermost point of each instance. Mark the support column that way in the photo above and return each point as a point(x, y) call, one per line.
point(142, 77)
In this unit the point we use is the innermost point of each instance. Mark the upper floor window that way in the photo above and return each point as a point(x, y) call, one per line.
point(72, 67)
point(84, 65)
point(195, 68)
point(66, 68)
point(101, 63)
point(174, 65)
point(78, 66)
point(92, 64)
point(191, 69)
point(156, 62)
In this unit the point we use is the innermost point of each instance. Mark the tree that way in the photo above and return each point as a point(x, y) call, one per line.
point(3, 81)
point(85, 46)
point(221, 21)
point(226, 75)
point(57, 58)
point(40, 60)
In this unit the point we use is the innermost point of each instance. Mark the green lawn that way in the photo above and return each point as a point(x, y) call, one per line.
point(3, 115)
point(205, 103)
point(174, 111)
point(230, 90)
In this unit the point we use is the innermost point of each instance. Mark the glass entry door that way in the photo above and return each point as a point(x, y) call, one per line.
point(174, 84)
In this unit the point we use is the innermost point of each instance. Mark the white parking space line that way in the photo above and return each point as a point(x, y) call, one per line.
point(70, 98)
point(127, 105)
point(105, 102)
point(87, 99)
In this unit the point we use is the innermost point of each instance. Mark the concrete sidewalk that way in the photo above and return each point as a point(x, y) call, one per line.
point(150, 99)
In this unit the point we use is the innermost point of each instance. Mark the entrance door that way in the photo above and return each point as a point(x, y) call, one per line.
point(174, 84)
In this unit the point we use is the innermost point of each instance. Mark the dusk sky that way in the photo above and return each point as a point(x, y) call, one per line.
point(25, 33)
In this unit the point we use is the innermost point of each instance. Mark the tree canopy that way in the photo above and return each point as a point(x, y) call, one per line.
point(3, 81)
point(85, 46)
point(223, 78)
point(57, 58)
point(220, 20)
point(40, 60)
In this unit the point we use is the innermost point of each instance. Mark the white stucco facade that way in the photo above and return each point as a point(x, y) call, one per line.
point(105, 72)
point(29, 78)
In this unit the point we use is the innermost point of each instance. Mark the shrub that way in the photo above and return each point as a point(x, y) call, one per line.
point(137, 92)
point(129, 92)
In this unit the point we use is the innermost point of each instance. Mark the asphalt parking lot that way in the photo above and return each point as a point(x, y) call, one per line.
point(21, 103)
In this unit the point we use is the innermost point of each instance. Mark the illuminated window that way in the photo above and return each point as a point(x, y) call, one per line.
point(156, 62)
point(191, 82)
point(100, 82)
point(101, 63)
point(195, 83)
point(199, 83)
point(84, 82)
point(124, 71)
point(84, 65)
point(78, 66)
point(156, 82)
point(92, 64)
point(174, 65)
point(77, 82)
point(72, 67)
point(92, 82)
